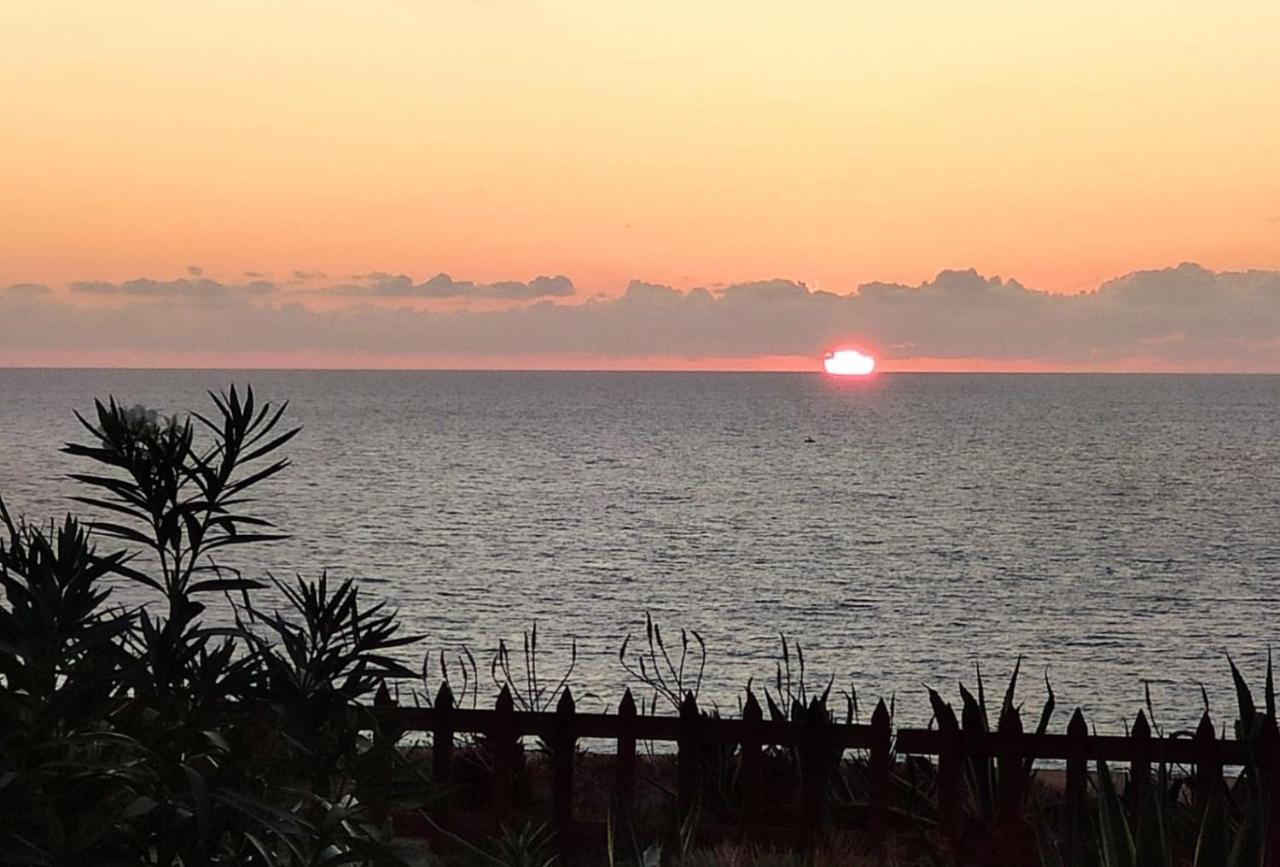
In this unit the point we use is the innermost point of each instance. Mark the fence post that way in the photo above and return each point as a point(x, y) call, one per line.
point(751, 769)
point(442, 737)
point(563, 754)
point(502, 746)
point(624, 786)
point(813, 769)
point(878, 795)
point(1140, 763)
point(1077, 779)
point(1012, 777)
point(1208, 762)
point(687, 757)
point(385, 734)
point(950, 781)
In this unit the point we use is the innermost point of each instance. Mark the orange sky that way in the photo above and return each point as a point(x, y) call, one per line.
point(690, 144)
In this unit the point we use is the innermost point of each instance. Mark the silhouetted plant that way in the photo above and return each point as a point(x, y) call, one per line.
point(324, 654)
point(531, 693)
point(668, 679)
point(792, 693)
point(179, 500)
point(139, 737)
point(981, 773)
point(529, 845)
point(65, 777)
point(465, 688)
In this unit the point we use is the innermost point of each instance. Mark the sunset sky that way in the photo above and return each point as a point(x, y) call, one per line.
point(308, 168)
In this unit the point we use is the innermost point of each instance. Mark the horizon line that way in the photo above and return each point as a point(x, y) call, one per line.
point(637, 370)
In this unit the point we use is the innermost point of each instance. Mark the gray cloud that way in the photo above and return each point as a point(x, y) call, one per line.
point(380, 285)
point(194, 289)
point(1185, 317)
point(26, 289)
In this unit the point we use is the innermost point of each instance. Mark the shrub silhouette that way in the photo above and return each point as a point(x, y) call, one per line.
point(152, 735)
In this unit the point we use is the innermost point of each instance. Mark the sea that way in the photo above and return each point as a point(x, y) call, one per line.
point(1120, 534)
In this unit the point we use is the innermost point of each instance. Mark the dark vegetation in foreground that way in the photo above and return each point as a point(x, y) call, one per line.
point(163, 735)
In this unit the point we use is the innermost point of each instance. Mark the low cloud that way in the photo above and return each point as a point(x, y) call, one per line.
point(1182, 318)
point(193, 288)
point(26, 289)
point(379, 285)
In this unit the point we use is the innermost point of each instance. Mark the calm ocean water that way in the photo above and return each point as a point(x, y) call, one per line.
point(1112, 529)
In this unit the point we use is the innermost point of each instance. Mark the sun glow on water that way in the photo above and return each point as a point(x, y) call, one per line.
point(848, 362)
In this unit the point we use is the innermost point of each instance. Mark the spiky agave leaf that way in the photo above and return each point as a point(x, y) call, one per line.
point(1152, 844)
point(1213, 844)
point(1115, 840)
point(1244, 700)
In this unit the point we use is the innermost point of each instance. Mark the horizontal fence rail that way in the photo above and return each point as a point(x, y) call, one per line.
point(816, 739)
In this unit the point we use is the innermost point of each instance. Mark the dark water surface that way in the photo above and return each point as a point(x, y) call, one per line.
point(1111, 528)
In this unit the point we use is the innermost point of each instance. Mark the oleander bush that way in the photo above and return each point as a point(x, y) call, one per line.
point(156, 734)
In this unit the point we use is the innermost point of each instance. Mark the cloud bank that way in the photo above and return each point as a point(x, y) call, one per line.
point(1185, 318)
point(380, 285)
point(195, 288)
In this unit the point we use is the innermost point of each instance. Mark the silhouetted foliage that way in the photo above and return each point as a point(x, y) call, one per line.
point(149, 735)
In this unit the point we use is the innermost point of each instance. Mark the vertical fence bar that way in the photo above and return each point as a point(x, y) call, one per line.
point(385, 736)
point(1208, 762)
point(751, 769)
point(502, 745)
point(687, 757)
point(442, 737)
point(624, 784)
point(1074, 819)
point(1139, 763)
point(879, 792)
point(1012, 778)
point(563, 755)
point(950, 782)
point(813, 770)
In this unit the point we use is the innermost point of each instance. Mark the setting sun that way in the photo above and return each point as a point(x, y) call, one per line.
point(848, 362)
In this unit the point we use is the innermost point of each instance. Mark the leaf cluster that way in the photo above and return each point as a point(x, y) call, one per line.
point(151, 735)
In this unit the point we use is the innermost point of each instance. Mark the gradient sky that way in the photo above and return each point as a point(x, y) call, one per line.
point(686, 144)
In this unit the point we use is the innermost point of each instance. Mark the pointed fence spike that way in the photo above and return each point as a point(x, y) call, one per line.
point(751, 707)
point(444, 696)
point(1141, 728)
point(1077, 726)
point(689, 707)
point(504, 701)
point(1205, 729)
point(566, 704)
point(627, 707)
point(880, 716)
